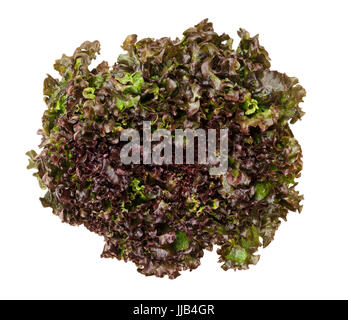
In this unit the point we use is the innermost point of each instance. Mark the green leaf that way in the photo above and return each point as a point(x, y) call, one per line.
point(181, 242)
point(238, 255)
point(133, 81)
point(88, 93)
point(262, 189)
point(250, 106)
point(32, 163)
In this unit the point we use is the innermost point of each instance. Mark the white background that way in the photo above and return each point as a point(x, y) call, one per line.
point(40, 257)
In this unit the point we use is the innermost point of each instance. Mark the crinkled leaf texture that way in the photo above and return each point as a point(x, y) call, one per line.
point(162, 218)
